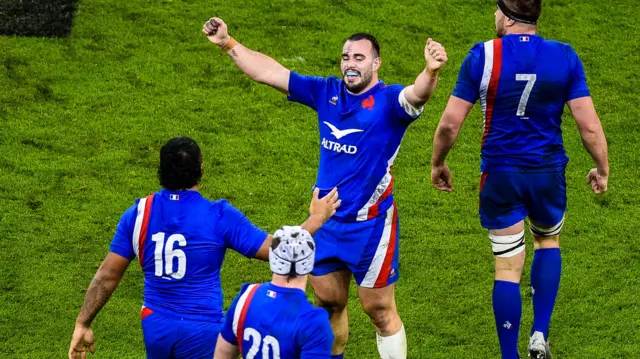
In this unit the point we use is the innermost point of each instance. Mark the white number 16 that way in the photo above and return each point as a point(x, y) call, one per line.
point(166, 268)
point(531, 79)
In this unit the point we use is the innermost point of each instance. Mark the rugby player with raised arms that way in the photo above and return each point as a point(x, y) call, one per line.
point(361, 122)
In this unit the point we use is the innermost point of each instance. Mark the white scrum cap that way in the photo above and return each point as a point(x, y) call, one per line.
point(292, 251)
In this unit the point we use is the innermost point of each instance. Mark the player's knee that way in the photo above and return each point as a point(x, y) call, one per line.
point(507, 246)
point(380, 312)
point(333, 307)
point(513, 264)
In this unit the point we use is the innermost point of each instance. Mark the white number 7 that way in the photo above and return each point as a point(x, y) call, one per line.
point(531, 79)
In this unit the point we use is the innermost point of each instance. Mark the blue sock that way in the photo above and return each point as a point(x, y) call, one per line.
point(507, 308)
point(337, 356)
point(545, 281)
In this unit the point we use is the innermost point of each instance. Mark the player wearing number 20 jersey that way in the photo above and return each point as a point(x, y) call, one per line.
point(275, 319)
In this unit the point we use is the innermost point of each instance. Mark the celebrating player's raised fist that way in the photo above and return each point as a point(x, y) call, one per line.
point(435, 55)
point(216, 31)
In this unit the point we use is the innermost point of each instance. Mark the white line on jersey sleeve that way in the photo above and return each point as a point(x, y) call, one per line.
point(135, 240)
point(486, 76)
point(409, 108)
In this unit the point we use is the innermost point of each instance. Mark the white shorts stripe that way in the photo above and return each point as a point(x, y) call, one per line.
point(486, 76)
point(135, 239)
point(371, 277)
point(239, 307)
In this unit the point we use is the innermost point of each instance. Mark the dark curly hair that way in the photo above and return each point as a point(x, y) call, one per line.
point(180, 164)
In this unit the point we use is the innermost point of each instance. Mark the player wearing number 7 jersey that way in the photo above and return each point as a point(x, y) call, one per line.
point(523, 82)
point(180, 239)
point(275, 319)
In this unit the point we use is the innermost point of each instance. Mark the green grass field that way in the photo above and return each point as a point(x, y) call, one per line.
point(82, 119)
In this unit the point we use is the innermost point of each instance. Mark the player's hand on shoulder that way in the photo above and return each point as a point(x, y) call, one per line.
point(598, 180)
point(441, 178)
point(216, 31)
point(81, 341)
point(325, 207)
point(436, 55)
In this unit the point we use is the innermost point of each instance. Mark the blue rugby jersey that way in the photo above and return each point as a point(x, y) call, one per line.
point(181, 238)
point(268, 321)
point(523, 83)
point(360, 136)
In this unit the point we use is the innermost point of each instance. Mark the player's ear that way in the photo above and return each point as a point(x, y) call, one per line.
point(377, 62)
point(509, 22)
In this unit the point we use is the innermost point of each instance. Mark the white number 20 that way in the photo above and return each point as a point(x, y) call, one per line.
point(531, 79)
point(268, 344)
point(164, 264)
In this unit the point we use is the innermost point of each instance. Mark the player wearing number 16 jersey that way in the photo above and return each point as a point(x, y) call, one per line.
point(180, 239)
point(275, 319)
point(523, 82)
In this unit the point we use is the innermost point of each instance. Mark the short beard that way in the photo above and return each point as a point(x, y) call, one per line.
point(358, 87)
point(501, 31)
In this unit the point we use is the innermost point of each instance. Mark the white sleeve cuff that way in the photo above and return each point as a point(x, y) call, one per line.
point(409, 108)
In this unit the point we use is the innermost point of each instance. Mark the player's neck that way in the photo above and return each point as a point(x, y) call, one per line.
point(194, 188)
point(522, 29)
point(286, 282)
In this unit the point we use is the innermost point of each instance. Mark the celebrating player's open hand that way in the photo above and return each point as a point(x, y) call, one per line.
point(435, 55)
point(325, 207)
point(597, 181)
point(216, 31)
point(81, 341)
point(441, 178)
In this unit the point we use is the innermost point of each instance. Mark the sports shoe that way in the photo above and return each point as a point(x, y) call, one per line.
point(538, 347)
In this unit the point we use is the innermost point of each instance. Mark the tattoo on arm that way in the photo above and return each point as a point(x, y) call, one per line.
point(98, 294)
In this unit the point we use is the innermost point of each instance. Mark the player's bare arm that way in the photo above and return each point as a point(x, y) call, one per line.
point(444, 138)
point(594, 141)
point(420, 92)
point(225, 350)
point(257, 66)
point(102, 286)
point(320, 210)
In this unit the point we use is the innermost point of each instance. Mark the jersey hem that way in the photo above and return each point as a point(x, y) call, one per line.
point(215, 317)
point(525, 169)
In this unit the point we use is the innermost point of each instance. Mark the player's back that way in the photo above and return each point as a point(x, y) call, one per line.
point(526, 81)
point(180, 239)
point(183, 253)
point(270, 321)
